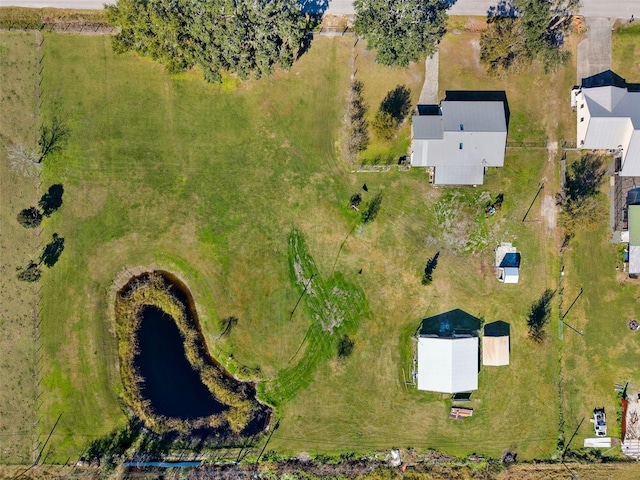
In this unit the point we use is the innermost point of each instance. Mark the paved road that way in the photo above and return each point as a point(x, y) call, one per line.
point(590, 8)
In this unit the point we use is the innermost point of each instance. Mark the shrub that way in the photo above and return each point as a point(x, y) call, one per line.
point(30, 217)
point(384, 125)
point(431, 265)
point(345, 346)
point(30, 274)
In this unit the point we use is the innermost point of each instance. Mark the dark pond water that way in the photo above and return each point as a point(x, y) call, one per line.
point(172, 386)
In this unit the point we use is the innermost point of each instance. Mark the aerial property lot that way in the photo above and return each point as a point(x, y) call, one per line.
point(239, 190)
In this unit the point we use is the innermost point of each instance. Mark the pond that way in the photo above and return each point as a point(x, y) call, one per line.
point(172, 386)
point(172, 383)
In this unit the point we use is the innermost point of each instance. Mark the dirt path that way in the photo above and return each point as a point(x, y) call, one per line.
point(549, 209)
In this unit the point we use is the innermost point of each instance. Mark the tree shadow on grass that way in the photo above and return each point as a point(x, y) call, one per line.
point(52, 251)
point(397, 103)
point(52, 200)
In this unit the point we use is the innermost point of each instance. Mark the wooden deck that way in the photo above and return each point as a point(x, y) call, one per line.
point(458, 413)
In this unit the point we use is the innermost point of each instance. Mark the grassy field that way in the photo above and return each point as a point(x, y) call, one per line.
point(608, 353)
point(625, 46)
point(209, 182)
point(18, 121)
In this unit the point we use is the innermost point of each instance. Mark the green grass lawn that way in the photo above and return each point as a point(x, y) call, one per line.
point(609, 352)
point(625, 46)
point(209, 182)
point(18, 116)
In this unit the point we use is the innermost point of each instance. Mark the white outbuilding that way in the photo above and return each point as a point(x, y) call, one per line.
point(510, 275)
point(448, 364)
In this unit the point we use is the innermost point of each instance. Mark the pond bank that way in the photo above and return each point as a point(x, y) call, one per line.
point(171, 381)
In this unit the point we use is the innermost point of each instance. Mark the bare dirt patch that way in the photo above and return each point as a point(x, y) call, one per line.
point(549, 213)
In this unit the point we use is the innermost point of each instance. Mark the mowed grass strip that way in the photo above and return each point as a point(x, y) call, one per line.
point(336, 307)
point(18, 116)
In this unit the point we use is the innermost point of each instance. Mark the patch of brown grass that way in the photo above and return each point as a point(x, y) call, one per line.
point(17, 247)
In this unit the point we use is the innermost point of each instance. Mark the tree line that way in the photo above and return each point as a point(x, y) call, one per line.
point(245, 37)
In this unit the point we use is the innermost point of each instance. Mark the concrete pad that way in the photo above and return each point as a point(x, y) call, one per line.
point(594, 52)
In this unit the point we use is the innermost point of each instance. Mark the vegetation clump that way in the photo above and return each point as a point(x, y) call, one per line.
point(30, 217)
point(431, 265)
point(31, 273)
point(582, 207)
point(520, 31)
point(357, 126)
point(154, 290)
point(401, 31)
point(244, 37)
point(345, 346)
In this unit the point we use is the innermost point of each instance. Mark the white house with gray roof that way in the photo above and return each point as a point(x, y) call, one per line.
point(608, 117)
point(459, 139)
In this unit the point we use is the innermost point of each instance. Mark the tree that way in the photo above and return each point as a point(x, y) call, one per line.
point(51, 200)
point(431, 265)
point(240, 36)
point(384, 125)
point(373, 207)
point(357, 126)
point(584, 177)
point(402, 31)
point(502, 45)
point(539, 316)
point(24, 161)
point(52, 137)
point(519, 31)
point(31, 273)
point(30, 217)
point(345, 346)
point(582, 208)
point(52, 251)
